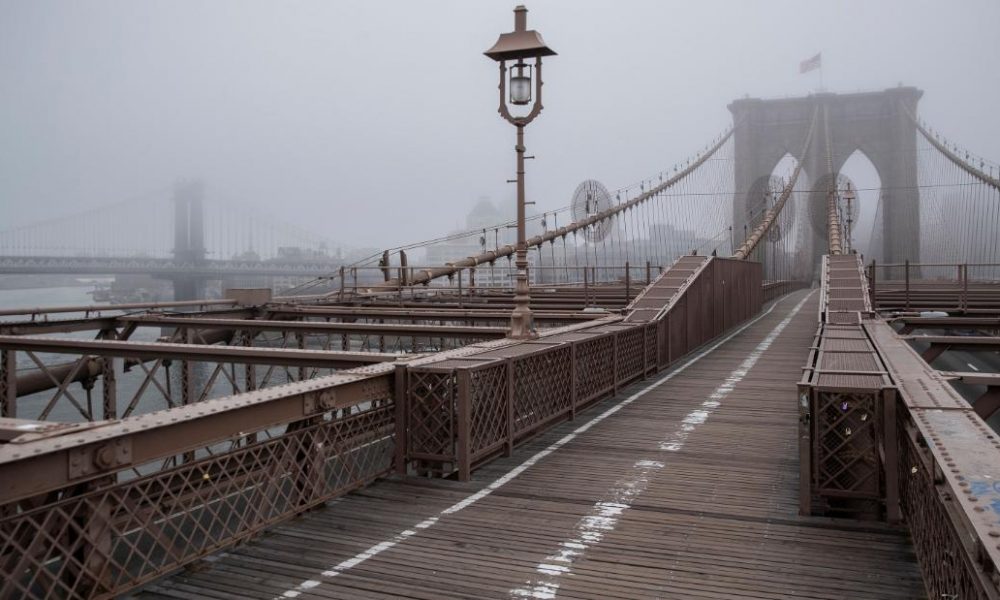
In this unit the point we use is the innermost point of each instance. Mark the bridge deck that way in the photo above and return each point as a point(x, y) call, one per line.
point(685, 488)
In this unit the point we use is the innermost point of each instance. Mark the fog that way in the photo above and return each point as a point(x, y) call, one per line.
point(374, 123)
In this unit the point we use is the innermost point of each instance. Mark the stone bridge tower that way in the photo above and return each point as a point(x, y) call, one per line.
point(876, 123)
point(189, 238)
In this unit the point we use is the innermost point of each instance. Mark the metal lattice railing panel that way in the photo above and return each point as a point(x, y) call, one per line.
point(847, 434)
point(595, 364)
point(488, 411)
point(631, 353)
point(543, 388)
point(431, 407)
point(944, 560)
point(107, 537)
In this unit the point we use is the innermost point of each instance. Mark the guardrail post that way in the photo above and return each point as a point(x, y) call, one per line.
point(805, 450)
point(509, 446)
point(402, 416)
point(663, 343)
point(649, 273)
point(8, 383)
point(404, 276)
point(871, 287)
point(628, 283)
point(891, 453)
point(94, 543)
point(384, 264)
point(464, 414)
point(645, 350)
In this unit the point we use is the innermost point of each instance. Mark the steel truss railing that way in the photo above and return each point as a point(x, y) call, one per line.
point(461, 412)
point(882, 434)
point(967, 288)
point(91, 510)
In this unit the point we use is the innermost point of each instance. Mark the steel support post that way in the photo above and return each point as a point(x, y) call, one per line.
point(890, 448)
point(8, 383)
point(628, 283)
point(989, 403)
point(187, 383)
point(464, 421)
point(401, 417)
point(404, 271)
point(805, 450)
point(95, 551)
point(300, 343)
point(872, 284)
point(109, 388)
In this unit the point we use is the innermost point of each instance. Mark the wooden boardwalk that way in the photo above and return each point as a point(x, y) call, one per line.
point(683, 488)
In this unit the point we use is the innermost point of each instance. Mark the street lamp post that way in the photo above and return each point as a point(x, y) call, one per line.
point(849, 195)
point(517, 46)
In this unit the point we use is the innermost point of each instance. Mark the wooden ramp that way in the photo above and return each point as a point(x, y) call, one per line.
point(680, 487)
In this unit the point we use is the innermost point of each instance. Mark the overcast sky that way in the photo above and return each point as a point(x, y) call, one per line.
point(375, 122)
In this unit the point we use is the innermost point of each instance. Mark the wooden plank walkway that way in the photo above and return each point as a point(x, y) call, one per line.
point(686, 488)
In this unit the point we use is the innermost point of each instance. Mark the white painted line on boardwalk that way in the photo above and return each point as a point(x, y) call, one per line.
point(507, 477)
point(605, 514)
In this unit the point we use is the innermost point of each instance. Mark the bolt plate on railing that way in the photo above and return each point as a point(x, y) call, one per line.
point(98, 458)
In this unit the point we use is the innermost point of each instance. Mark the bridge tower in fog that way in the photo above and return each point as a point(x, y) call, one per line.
point(879, 124)
point(189, 237)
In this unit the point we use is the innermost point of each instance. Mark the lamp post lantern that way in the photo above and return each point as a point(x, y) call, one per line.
point(519, 47)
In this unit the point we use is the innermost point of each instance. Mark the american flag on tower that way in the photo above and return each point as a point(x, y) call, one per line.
point(810, 64)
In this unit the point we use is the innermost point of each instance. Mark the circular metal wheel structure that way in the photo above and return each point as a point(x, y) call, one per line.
point(589, 199)
point(763, 195)
point(818, 201)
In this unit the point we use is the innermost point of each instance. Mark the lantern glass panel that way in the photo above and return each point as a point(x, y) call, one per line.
point(520, 89)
